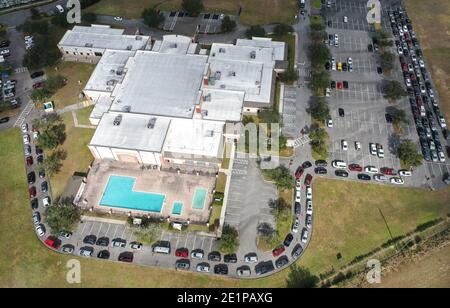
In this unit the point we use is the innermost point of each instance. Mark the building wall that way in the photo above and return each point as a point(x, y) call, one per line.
point(81, 54)
point(124, 155)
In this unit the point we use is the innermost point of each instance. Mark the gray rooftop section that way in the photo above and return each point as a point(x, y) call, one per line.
point(222, 105)
point(279, 48)
point(161, 84)
point(109, 70)
point(132, 133)
point(175, 44)
point(102, 38)
point(101, 106)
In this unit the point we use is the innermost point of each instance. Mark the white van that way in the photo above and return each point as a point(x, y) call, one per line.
point(162, 247)
point(339, 164)
point(404, 173)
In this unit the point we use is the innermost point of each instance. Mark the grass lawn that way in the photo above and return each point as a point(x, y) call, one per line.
point(253, 11)
point(221, 182)
point(78, 155)
point(317, 4)
point(77, 75)
point(226, 155)
point(83, 115)
point(431, 22)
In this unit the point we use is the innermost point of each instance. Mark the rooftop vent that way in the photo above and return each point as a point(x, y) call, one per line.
point(233, 74)
point(222, 86)
point(217, 75)
point(213, 54)
point(151, 123)
point(207, 97)
point(129, 47)
point(117, 120)
point(112, 71)
point(174, 45)
point(126, 108)
point(138, 38)
point(221, 50)
point(205, 113)
point(119, 72)
point(209, 133)
point(88, 45)
point(110, 82)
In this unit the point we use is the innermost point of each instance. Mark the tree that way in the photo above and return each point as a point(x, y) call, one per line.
point(256, 31)
point(320, 110)
point(35, 13)
point(39, 95)
point(35, 27)
point(289, 76)
point(319, 54)
point(319, 142)
point(60, 20)
point(318, 36)
point(394, 90)
point(52, 136)
point(148, 234)
point(399, 117)
point(282, 29)
point(89, 18)
point(41, 54)
point(281, 176)
point(54, 83)
point(387, 61)
point(407, 152)
point(300, 277)
point(229, 241)
point(62, 216)
point(383, 39)
point(228, 24)
point(319, 80)
point(53, 163)
point(192, 7)
point(152, 18)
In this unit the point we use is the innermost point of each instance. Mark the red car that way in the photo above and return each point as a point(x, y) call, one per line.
point(29, 160)
point(37, 85)
point(51, 242)
point(388, 171)
point(405, 67)
point(308, 179)
point(299, 172)
point(340, 85)
point(278, 251)
point(32, 192)
point(355, 167)
point(182, 252)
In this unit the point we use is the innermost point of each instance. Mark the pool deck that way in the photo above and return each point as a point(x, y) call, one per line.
point(176, 187)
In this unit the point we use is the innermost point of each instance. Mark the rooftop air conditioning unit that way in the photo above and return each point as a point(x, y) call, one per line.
point(217, 75)
point(88, 45)
point(126, 108)
point(117, 120)
point(119, 72)
point(253, 55)
point(222, 86)
point(207, 97)
point(138, 38)
point(233, 74)
point(110, 82)
point(129, 47)
point(175, 45)
point(221, 50)
point(151, 123)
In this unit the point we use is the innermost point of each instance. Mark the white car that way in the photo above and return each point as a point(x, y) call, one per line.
point(330, 123)
point(135, 245)
point(305, 236)
point(298, 194)
point(421, 63)
point(357, 145)
point(197, 255)
point(309, 207)
point(396, 180)
point(46, 201)
point(349, 61)
point(408, 82)
point(296, 225)
point(251, 258)
point(344, 145)
point(118, 18)
point(339, 164)
point(380, 178)
point(327, 92)
point(203, 268)
point(60, 8)
point(35, 135)
point(431, 93)
point(345, 19)
point(414, 58)
point(441, 156)
point(442, 122)
point(373, 149)
point(371, 169)
point(40, 230)
point(298, 184)
point(309, 193)
point(380, 151)
point(400, 50)
point(85, 253)
point(26, 139)
point(404, 173)
point(24, 127)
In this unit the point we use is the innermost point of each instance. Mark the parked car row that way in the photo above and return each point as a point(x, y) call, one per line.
point(346, 66)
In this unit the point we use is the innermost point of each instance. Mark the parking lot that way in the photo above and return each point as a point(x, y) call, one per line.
point(205, 23)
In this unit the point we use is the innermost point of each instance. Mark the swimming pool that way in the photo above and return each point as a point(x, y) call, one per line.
point(119, 193)
point(199, 199)
point(177, 208)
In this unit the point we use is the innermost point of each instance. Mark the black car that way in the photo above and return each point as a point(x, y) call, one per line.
point(31, 178)
point(341, 173)
point(297, 208)
point(126, 256)
point(379, 70)
point(446, 133)
point(214, 256)
point(230, 258)
point(103, 254)
point(44, 186)
point(341, 112)
point(321, 163)
point(4, 43)
point(345, 84)
point(288, 240)
point(264, 268)
point(40, 159)
point(333, 84)
point(42, 174)
point(39, 151)
point(306, 165)
point(388, 118)
point(364, 177)
point(370, 48)
point(297, 251)
point(4, 120)
point(37, 74)
point(34, 204)
point(183, 264)
point(327, 66)
point(221, 269)
point(281, 261)
point(102, 241)
point(90, 239)
point(344, 66)
point(320, 170)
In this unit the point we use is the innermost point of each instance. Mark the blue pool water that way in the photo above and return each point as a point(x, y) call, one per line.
point(199, 199)
point(177, 208)
point(119, 193)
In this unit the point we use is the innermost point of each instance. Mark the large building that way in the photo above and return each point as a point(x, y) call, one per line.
point(166, 103)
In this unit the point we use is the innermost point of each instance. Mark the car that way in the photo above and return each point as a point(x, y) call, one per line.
point(40, 230)
point(345, 19)
point(296, 225)
point(357, 145)
point(344, 145)
point(408, 82)
point(183, 264)
point(34, 204)
point(118, 243)
point(341, 173)
point(404, 173)
point(31, 177)
point(278, 250)
point(126, 256)
point(5, 43)
point(36, 218)
point(86, 251)
point(307, 164)
point(39, 151)
point(339, 66)
point(4, 120)
point(65, 234)
point(355, 167)
point(309, 207)
point(46, 202)
point(221, 269)
point(333, 84)
point(29, 160)
point(136, 245)
point(281, 261)
point(24, 128)
point(441, 156)
point(442, 121)
point(102, 241)
point(68, 248)
point(320, 163)
point(297, 208)
point(341, 112)
point(327, 92)
point(380, 150)
point(330, 123)
point(38, 85)
point(379, 70)
point(304, 237)
point(37, 74)
point(308, 179)
point(90, 239)
point(298, 184)
point(373, 149)
point(340, 85)
point(370, 48)
point(308, 221)
point(320, 170)
point(214, 256)
point(434, 156)
point(243, 271)
point(230, 258)
point(364, 177)
point(288, 240)
point(118, 18)
point(399, 50)
point(52, 242)
point(299, 172)
point(264, 268)
point(32, 192)
point(44, 186)
point(197, 254)
point(103, 254)
point(345, 84)
point(339, 164)
point(396, 180)
point(309, 193)
point(380, 178)
point(60, 9)
point(298, 196)
point(203, 267)
point(371, 169)
point(421, 63)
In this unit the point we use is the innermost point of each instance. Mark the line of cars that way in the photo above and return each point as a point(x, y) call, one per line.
point(419, 87)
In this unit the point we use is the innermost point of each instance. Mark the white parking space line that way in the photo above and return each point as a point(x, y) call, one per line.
point(193, 242)
point(115, 231)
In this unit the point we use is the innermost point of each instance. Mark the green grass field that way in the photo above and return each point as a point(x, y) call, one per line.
point(83, 115)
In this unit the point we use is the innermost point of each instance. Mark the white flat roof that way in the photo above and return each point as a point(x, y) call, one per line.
point(132, 133)
point(109, 70)
point(161, 84)
point(174, 44)
point(195, 137)
point(99, 29)
point(222, 105)
point(242, 53)
point(278, 47)
point(101, 106)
